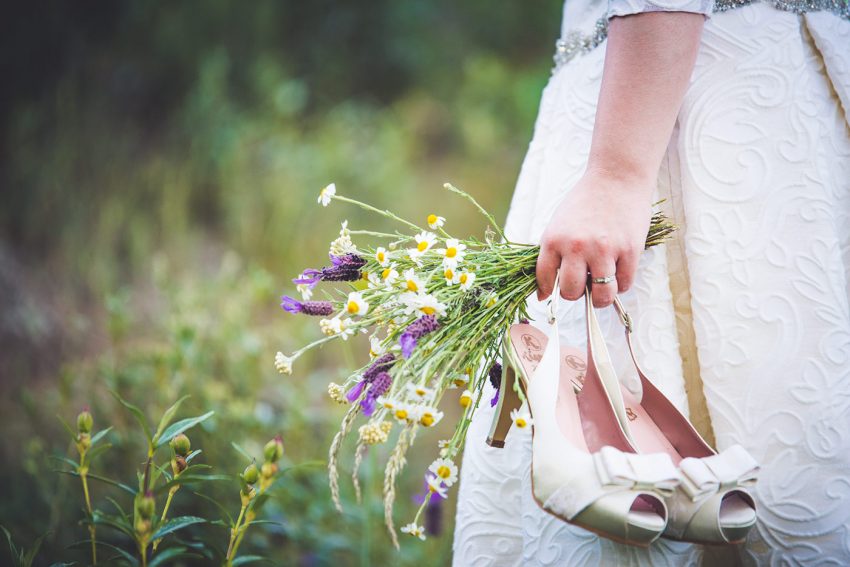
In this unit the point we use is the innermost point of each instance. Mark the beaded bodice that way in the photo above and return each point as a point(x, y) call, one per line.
point(575, 42)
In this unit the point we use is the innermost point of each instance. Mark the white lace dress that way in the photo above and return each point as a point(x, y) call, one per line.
point(743, 320)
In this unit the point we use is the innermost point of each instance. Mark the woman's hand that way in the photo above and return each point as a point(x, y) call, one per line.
point(600, 227)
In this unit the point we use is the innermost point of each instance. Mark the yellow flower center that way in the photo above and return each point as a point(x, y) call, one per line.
point(364, 276)
point(411, 285)
point(432, 488)
point(353, 307)
point(427, 420)
point(386, 273)
point(463, 278)
point(432, 219)
point(520, 422)
point(428, 310)
point(458, 382)
point(450, 275)
point(420, 391)
point(451, 252)
point(401, 414)
point(465, 401)
point(381, 256)
point(388, 404)
point(444, 472)
point(491, 302)
point(422, 246)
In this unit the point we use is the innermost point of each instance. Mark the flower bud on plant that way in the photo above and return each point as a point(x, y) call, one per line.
point(251, 475)
point(178, 465)
point(273, 450)
point(147, 505)
point(85, 421)
point(143, 526)
point(181, 445)
point(269, 470)
point(83, 442)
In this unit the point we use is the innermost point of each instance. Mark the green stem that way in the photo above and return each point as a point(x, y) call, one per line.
point(481, 209)
point(171, 492)
point(92, 529)
point(233, 533)
point(385, 213)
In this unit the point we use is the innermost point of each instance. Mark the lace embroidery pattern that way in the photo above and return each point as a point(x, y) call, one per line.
point(576, 43)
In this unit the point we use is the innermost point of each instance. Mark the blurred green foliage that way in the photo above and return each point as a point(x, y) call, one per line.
point(159, 166)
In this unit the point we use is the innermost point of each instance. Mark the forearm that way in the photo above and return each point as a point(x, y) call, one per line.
point(648, 64)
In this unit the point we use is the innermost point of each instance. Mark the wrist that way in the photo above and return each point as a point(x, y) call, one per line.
point(639, 181)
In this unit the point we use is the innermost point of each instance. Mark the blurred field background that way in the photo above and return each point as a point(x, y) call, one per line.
point(159, 168)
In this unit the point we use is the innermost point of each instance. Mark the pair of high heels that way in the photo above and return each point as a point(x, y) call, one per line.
point(627, 469)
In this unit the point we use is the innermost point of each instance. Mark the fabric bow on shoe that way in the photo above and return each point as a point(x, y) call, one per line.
point(654, 471)
point(733, 468)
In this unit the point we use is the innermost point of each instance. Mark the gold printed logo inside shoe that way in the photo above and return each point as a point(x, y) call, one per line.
point(575, 362)
point(630, 413)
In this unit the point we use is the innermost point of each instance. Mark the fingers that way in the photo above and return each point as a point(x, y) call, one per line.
point(547, 264)
point(602, 266)
point(573, 277)
point(627, 265)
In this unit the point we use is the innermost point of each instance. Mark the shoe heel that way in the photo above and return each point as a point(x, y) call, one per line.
point(508, 401)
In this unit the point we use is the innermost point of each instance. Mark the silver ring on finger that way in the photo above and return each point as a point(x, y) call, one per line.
point(604, 280)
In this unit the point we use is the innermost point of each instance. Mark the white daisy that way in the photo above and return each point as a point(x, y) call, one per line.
point(521, 420)
point(415, 256)
point(466, 279)
point(425, 240)
point(430, 416)
point(414, 530)
point(387, 403)
point(435, 485)
point(419, 393)
point(376, 349)
point(445, 470)
point(412, 282)
point(435, 222)
point(450, 275)
point(326, 194)
point(283, 363)
point(465, 399)
point(388, 276)
point(403, 412)
point(454, 250)
point(422, 303)
point(356, 305)
point(304, 290)
point(382, 257)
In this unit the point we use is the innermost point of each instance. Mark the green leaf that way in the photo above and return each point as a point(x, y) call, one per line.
point(95, 451)
point(166, 419)
point(15, 554)
point(243, 452)
point(29, 557)
point(171, 553)
point(87, 543)
point(219, 506)
point(99, 435)
point(66, 460)
point(176, 429)
point(137, 413)
point(119, 508)
point(175, 524)
point(192, 455)
point(119, 524)
point(123, 487)
point(245, 559)
point(68, 428)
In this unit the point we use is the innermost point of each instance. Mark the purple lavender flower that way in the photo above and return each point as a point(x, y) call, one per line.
point(340, 274)
point(415, 331)
point(381, 364)
point(355, 392)
point(495, 373)
point(316, 308)
point(495, 399)
point(379, 387)
point(347, 261)
point(309, 277)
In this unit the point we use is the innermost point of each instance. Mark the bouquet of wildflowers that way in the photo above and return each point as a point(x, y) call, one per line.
point(435, 309)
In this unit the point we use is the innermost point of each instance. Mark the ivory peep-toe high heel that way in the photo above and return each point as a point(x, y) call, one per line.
point(712, 505)
point(583, 470)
